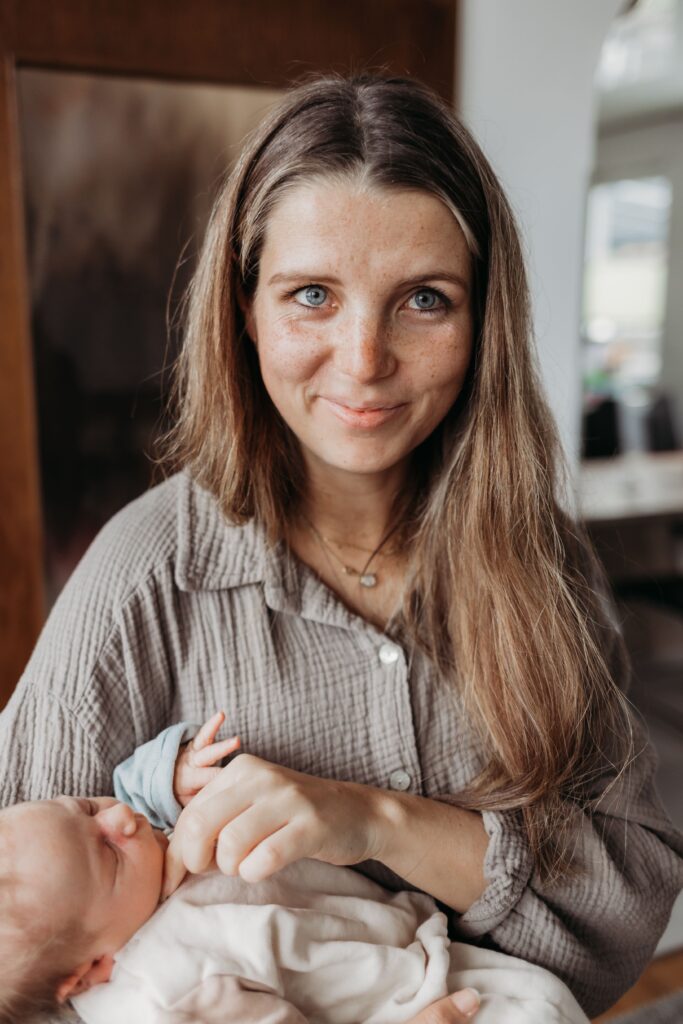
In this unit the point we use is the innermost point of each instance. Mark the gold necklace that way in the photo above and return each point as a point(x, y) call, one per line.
point(357, 547)
point(365, 578)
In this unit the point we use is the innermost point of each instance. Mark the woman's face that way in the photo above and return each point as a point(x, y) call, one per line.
point(362, 320)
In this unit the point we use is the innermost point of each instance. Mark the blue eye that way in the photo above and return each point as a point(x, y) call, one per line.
point(427, 299)
point(314, 295)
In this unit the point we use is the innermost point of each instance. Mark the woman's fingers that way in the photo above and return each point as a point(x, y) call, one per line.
point(193, 842)
point(267, 816)
point(283, 846)
point(258, 843)
point(454, 1009)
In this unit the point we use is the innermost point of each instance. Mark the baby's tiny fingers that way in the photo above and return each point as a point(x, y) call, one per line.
point(216, 751)
point(208, 731)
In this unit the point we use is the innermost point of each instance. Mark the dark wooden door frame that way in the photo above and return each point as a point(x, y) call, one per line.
point(234, 42)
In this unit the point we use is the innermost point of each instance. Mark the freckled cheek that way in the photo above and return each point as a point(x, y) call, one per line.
point(289, 357)
point(442, 366)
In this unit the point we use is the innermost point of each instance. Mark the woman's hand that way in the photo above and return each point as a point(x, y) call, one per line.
point(195, 766)
point(256, 817)
point(454, 1009)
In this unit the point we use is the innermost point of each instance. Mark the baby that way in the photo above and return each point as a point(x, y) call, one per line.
point(79, 876)
point(80, 881)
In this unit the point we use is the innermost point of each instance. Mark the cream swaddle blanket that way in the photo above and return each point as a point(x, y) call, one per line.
point(314, 944)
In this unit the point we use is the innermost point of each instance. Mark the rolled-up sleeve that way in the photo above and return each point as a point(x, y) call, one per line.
point(598, 927)
point(145, 779)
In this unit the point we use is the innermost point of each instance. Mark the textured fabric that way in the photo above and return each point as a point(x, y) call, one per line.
point(145, 779)
point(313, 943)
point(173, 614)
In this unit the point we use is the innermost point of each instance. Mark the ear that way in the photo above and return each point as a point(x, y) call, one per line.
point(247, 307)
point(87, 974)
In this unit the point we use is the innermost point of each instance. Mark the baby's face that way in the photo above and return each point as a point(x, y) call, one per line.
point(91, 860)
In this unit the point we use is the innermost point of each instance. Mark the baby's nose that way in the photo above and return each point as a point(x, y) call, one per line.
point(119, 819)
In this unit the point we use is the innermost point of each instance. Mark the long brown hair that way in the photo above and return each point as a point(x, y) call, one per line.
point(504, 589)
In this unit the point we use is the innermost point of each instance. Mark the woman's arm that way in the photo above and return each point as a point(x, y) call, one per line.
point(99, 681)
point(256, 817)
point(419, 839)
point(597, 928)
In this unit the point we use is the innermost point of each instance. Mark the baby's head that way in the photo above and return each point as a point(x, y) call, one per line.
point(78, 877)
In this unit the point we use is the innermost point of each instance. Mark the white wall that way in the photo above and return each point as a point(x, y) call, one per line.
point(525, 70)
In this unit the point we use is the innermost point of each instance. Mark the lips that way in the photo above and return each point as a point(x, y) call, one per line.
point(364, 406)
point(366, 416)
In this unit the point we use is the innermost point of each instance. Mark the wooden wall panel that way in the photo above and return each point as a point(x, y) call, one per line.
point(21, 577)
point(267, 42)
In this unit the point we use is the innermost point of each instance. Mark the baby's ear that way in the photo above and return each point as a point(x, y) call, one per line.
point(92, 972)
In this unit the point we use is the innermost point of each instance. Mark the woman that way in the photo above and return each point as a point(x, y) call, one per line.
point(365, 562)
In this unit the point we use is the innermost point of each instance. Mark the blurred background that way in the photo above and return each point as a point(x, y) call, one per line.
point(119, 180)
point(580, 109)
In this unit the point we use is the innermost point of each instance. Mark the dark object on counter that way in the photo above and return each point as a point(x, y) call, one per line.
point(601, 430)
point(660, 427)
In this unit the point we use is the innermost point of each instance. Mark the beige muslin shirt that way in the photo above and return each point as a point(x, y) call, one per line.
point(174, 613)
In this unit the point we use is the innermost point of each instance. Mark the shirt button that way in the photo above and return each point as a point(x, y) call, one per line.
point(400, 780)
point(389, 654)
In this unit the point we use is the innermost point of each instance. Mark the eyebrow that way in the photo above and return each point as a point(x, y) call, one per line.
point(430, 275)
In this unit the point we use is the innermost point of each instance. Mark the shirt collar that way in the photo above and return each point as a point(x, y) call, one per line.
point(214, 554)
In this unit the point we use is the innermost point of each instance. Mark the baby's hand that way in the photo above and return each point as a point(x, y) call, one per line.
point(194, 766)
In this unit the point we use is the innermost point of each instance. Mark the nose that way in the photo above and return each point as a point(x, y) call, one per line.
point(365, 351)
point(117, 822)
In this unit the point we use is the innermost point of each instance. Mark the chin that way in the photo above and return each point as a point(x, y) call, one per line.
point(363, 464)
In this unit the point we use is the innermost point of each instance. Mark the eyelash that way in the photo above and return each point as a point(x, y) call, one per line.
point(445, 302)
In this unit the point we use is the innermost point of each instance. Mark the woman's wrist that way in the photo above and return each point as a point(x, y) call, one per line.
point(435, 846)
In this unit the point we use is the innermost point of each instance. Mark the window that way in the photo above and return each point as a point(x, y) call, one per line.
point(624, 297)
point(641, 45)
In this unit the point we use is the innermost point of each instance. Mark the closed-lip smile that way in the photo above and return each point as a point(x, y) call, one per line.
point(363, 406)
point(363, 416)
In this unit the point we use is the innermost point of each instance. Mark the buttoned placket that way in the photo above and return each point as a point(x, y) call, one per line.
point(404, 775)
point(291, 587)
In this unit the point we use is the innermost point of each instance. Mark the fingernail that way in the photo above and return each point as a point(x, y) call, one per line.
point(467, 1001)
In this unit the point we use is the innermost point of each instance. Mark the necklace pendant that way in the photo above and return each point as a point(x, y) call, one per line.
point(368, 579)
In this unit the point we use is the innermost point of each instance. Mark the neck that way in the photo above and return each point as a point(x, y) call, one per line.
point(352, 506)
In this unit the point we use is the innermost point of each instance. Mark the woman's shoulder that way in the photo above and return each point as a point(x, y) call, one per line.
point(123, 593)
point(176, 529)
